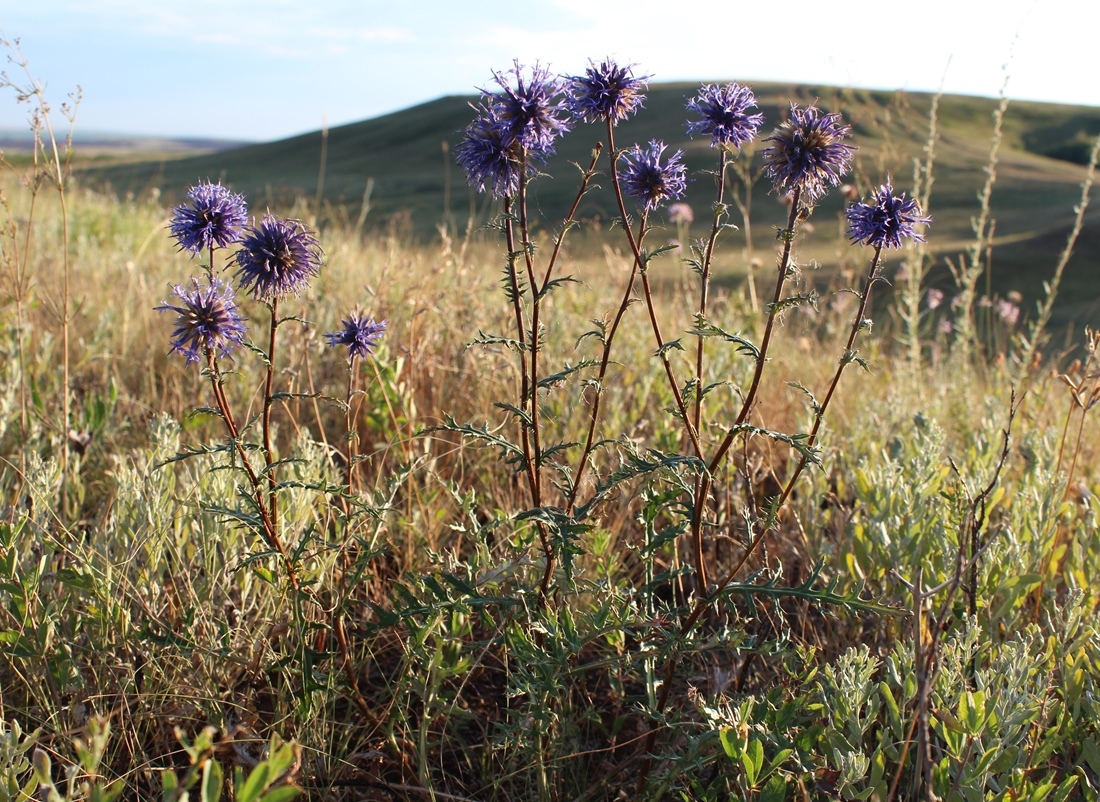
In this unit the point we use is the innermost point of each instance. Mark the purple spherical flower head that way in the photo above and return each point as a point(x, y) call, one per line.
point(490, 160)
point(808, 153)
point(724, 112)
point(214, 218)
point(886, 220)
point(606, 92)
point(532, 112)
point(645, 178)
point(359, 333)
point(209, 319)
point(277, 258)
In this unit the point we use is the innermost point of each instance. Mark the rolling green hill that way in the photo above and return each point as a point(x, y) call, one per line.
point(405, 158)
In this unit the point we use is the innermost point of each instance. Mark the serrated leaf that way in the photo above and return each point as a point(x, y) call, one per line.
point(563, 374)
point(705, 329)
point(672, 345)
point(554, 284)
point(508, 342)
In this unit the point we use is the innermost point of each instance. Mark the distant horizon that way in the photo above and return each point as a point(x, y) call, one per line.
point(245, 70)
point(10, 133)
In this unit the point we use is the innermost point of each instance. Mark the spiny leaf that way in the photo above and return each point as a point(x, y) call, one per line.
point(703, 328)
point(563, 374)
point(553, 284)
point(490, 339)
point(792, 302)
point(826, 595)
point(672, 345)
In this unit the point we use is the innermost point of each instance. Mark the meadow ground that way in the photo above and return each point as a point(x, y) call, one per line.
point(366, 589)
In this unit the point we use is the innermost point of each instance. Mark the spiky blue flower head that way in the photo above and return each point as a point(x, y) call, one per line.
point(808, 153)
point(359, 333)
point(491, 160)
point(724, 113)
point(886, 219)
point(277, 258)
point(214, 217)
point(532, 111)
point(606, 92)
point(649, 180)
point(208, 319)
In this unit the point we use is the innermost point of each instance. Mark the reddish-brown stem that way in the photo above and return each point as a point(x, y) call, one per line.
point(528, 387)
point(270, 532)
point(819, 415)
point(569, 218)
point(269, 389)
point(704, 483)
point(656, 326)
point(635, 248)
point(517, 306)
point(532, 397)
point(533, 453)
point(704, 283)
point(702, 486)
point(533, 344)
point(707, 599)
point(605, 359)
point(350, 433)
point(769, 327)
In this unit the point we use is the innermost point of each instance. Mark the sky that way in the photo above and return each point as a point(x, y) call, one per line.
point(241, 69)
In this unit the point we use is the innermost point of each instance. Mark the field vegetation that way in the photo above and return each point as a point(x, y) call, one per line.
point(520, 545)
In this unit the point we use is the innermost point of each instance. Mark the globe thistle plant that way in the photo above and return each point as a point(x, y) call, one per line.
point(650, 180)
point(808, 153)
point(886, 219)
point(724, 114)
point(208, 319)
point(214, 218)
point(359, 333)
point(606, 92)
point(277, 258)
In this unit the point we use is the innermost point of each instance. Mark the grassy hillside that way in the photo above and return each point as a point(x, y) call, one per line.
point(407, 157)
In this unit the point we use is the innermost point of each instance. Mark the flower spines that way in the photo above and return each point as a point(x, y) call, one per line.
point(214, 217)
point(490, 159)
point(277, 258)
point(359, 333)
point(886, 219)
point(808, 153)
point(724, 114)
point(606, 92)
point(208, 319)
point(532, 112)
point(515, 126)
point(650, 180)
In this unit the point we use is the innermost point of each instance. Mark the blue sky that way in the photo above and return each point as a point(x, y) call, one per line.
point(252, 70)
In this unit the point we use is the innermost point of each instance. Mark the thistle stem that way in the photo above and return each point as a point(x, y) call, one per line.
point(268, 525)
point(609, 337)
point(635, 248)
point(350, 434)
point(269, 387)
